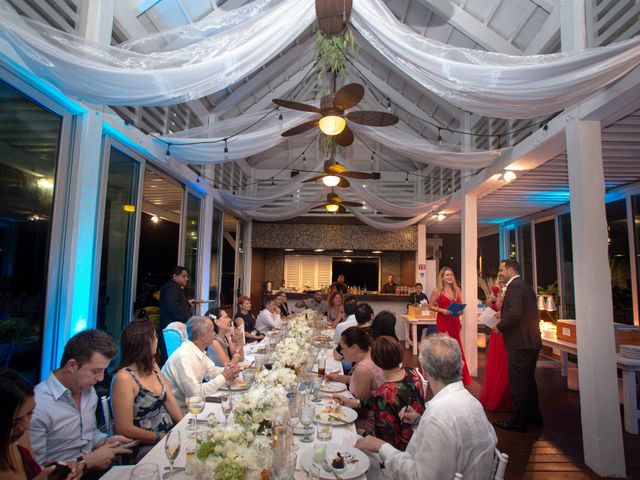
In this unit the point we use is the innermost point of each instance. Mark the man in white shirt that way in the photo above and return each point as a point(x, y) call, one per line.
point(350, 305)
point(268, 318)
point(453, 436)
point(63, 426)
point(189, 364)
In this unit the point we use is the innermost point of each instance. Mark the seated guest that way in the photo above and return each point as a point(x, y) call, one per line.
point(350, 305)
point(245, 319)
point(402, 387)
point(144, 407)
point(227, 347)
point(390, 286)
point(339, 285)
point(17, 402)
point(418, 295)
point(454, 434)
point(281, 303)
point(63, 425)
point(384, 324)
point(268, 318)
point(364, 317)
point(335, 309)
point(316, 303)
point(188, 366)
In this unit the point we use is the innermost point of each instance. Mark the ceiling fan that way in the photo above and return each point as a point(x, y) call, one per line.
point(335, 174)
point(335, 204)
point(333, 120)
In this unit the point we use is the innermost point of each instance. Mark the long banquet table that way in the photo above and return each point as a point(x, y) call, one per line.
point(342, 435)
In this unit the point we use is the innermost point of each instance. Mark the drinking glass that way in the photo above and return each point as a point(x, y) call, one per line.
point(259, 359)
point(315, 385)
point(323, 432)
point(195, 403)
point(172, 448)
point(145, 471)
point(286, 468)
point(322, 364)
point(226, 407)
point(191, 450)
point(249, 375)
point(307, 415)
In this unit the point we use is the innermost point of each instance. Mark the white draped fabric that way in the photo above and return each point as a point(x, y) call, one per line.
point(221, 50)
point(418, 148)
point(493, 84)
point(278, 214)
point(193, 146)
point(386, 225)
point(190, 146)
point(379, 204)
point(194, 61)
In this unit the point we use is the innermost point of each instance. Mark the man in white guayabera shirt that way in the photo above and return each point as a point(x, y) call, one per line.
point(190, 364)
point(453, 436)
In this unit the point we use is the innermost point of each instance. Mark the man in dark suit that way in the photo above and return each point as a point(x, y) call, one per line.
point(174, 305)
point(521, 333)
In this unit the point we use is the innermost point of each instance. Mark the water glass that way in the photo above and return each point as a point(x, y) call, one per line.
point(249, 375)
point(324, 432)
point(259, 360)
point(286, 467)
point(307, 416)
point(145, 471)
point(191, 451)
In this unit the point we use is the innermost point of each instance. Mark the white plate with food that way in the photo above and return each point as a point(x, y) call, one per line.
point(335, 414)
point(332, 387)
point(354, 462)
point(236, 386)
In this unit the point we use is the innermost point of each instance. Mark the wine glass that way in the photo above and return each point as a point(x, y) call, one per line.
point(307, 415)
point(145, 471)
point(226, 407)
point(195, 404)
point(172, 448)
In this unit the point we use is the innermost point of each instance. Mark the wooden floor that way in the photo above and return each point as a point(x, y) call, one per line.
point(555, 451)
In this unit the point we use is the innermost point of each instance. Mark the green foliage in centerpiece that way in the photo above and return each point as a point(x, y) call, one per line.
point(229, 470)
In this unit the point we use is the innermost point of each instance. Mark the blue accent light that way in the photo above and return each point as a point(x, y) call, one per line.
point(497, 221)
point(551, 197)
point(44, 87)
point(122, 138)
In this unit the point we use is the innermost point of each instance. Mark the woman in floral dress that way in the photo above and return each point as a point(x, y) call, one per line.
point(403, 387)
point(144, 407)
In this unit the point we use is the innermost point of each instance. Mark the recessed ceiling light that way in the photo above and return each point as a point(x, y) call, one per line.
point(319, 250)
point(376, 251)
point(289, 249)
point(347, 251)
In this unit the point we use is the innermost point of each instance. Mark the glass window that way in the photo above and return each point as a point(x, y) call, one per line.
point(192, 235)
point(229, 243)
point(241, 256)
point(489, 255)
point(30, 137)
point(619, 261)
point(546, 267)
point(116, 261)
point(511, 243)
point(214, 273)
point(568, 308)
point(525, 253)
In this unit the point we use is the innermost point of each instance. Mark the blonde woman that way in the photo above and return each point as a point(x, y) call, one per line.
point(335, 309)
point(447, 292)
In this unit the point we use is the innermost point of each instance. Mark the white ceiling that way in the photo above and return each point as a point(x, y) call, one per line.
point(506, 26)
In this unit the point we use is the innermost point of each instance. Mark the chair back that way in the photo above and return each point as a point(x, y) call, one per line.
point(6, 351)
point(172, 340)
point(500, 461)
point(105, 402)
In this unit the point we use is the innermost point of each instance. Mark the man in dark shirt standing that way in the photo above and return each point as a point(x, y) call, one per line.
point(390, 286)
point(416, 297)
point(174, 305)
point(340, 286)
point(521, 332)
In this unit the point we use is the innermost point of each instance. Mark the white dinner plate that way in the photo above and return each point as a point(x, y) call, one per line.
point(358, 466)
point(236, 387)
point(345, 415)
point(333, 387)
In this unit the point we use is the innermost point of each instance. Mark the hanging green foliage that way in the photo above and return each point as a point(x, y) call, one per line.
point(327, 146)
point(333, 50)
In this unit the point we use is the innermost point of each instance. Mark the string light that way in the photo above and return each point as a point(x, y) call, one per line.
point(406, 178)
point(168, 152)
point(226, 150)
point(439, 136)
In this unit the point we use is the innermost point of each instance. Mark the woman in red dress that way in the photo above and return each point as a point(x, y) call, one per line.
point(495, 394)
point(447, 292)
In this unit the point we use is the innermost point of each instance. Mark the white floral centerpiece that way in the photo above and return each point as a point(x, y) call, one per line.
point(300, 328)
point(258, 405)
point(291, 352)
point(231, 453)
point(277, 376)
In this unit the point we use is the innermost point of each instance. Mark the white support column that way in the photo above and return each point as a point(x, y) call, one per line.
point(248, 257)
point(421, 256)
point(599, 408)
point(632, 256)
point(204, 252)
point(470, 280)
point(95, 20)
point(81, 256)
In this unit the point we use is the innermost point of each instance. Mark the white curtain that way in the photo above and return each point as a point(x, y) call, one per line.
point(193, 146)
point(418, 148)
point(219, 51)
point(493, 84)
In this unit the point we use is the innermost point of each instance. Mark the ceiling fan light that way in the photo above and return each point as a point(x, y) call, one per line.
point(332, 207)
point(330, 180)
point(332, 124)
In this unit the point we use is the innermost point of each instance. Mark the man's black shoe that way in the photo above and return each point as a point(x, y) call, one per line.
point(513, 427)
